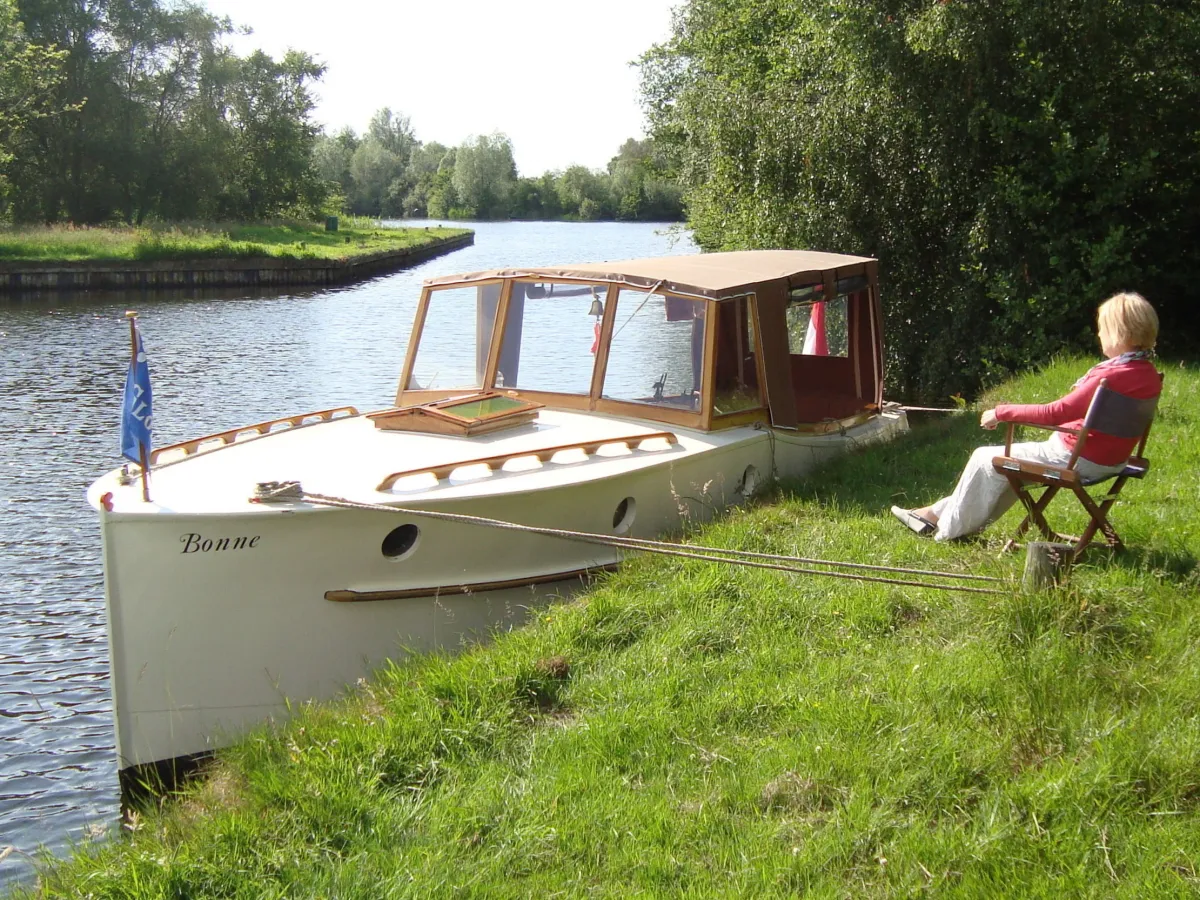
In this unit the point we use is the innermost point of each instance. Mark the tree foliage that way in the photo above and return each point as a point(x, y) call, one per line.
point(164, 120)
point(484, 174)
point(388, 172)
point(1010, 163)
point(30, 75)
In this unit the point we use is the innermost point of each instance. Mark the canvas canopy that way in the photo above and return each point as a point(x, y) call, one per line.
point(709, 275)
point(742, 323)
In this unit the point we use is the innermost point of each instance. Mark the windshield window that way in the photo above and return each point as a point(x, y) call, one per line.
point(657, 351)
point(455, 338)
point(550, 337)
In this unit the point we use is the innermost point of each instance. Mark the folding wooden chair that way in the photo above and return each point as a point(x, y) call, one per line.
point(1109, 413)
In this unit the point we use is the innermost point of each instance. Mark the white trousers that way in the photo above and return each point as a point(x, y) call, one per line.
point(983, 495)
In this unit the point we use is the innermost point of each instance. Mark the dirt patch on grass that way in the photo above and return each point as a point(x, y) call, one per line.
point(793, 792)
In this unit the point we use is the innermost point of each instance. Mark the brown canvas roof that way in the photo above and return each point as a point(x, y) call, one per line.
point(708, 274)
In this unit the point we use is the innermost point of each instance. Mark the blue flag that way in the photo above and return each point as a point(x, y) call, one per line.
point(136, 408)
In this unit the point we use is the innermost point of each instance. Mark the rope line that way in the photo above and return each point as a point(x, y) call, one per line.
point(269, 492)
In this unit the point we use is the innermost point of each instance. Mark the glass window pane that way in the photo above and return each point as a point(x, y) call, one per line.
point(455, 338)
point(550, 337)
point(818, 328)
point(737, 362)
point(657, 351)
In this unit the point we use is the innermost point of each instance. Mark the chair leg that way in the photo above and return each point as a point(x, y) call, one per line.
point(1037, 512)
point(1019, 489)
point(1110, 498)
point(1099, 522)
point(1035, 515)
point(1034, 511)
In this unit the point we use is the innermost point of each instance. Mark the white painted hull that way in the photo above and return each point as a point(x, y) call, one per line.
point(208, 642)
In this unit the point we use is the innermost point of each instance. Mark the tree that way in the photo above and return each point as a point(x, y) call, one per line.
point(484, 176)
point(165, 55)
point(378, 181)
point(373, 168)
point(30, 75)
point(584, 193)
point(423, 166)
point(270, 109)
point(442, 198)
point(641, 186)
point(332, 154)
point(1009, 163)
point(393, 132)
point(165, 120)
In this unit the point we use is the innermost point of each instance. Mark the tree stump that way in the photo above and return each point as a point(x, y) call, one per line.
point(1047, 565)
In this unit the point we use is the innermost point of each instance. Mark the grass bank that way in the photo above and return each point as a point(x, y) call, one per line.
point(286, 240)
point(692, 730)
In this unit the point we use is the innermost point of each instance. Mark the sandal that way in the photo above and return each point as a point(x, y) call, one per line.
point(914, 522)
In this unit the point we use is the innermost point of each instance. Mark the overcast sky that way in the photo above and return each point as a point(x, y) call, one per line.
point(554, 75)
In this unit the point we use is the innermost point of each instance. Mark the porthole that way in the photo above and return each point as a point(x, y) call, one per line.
point(401, 542)
point(624, 515)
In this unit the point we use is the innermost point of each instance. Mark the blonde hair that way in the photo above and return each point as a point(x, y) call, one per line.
point(1129, 319)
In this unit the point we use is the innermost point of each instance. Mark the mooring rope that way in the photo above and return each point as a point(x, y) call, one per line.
point(273, 492)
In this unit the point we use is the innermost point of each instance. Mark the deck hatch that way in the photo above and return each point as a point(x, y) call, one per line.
point(479, 413)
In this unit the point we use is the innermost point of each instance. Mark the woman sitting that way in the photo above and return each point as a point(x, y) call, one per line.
point(1128, 329)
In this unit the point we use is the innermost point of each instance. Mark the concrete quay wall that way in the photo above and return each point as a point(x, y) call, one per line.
point(232, 272)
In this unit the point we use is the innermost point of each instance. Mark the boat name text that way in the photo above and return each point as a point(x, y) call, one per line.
point(197, 543)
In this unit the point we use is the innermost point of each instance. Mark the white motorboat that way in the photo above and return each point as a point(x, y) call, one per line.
point(614, 398)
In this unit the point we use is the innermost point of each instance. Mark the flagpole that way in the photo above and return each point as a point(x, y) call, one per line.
point(133, 355)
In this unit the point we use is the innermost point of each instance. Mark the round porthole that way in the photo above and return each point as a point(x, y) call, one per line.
point(751, 482)
point(401, 542)
point(624, 515)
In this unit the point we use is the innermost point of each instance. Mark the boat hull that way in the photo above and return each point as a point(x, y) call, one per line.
point(221, 622)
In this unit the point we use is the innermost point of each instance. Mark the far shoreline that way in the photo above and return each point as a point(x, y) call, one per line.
point(113, 259)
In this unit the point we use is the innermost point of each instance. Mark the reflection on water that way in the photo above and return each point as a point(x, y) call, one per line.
point(219, 359)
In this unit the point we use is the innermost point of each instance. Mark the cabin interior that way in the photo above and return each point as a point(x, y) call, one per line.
point(803, 353)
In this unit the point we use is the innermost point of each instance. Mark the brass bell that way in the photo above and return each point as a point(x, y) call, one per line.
point(597, 308)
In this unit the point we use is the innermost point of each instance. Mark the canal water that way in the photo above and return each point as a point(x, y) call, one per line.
point(218, 359)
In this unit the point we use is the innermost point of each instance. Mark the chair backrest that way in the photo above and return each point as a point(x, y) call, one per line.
point(1119, 415)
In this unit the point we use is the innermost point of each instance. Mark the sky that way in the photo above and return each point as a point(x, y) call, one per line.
point(554, 75)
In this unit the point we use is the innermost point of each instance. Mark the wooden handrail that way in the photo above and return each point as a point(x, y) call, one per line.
point(230, 436)
point(544, 455)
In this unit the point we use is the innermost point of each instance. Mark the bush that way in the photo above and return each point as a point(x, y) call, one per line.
point(1010, 164)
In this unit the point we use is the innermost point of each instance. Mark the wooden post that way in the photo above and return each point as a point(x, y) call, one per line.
point(1047, 565)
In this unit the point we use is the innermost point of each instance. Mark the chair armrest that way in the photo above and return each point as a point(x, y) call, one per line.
point(1038, 473)
point(1074, 431)
point(1012, 427)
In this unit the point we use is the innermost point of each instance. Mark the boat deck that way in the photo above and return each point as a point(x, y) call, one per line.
point(349, 457)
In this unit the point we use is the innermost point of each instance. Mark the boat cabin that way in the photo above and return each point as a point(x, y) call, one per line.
point(783, 337)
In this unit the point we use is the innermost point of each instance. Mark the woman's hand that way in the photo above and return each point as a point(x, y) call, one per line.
point(988, 420)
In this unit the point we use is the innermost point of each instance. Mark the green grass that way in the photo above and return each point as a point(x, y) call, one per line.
point(281, 240)
point(687, 729)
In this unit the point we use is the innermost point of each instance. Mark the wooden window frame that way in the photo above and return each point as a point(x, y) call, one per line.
point(424, 395)
point(704, 418)
point(699, 419)
point(552, 398)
